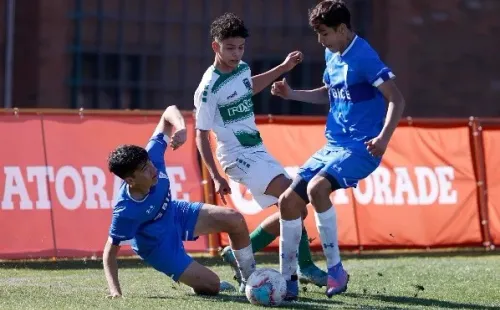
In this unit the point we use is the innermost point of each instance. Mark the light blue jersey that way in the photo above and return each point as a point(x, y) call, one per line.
point(357, 107)
point(357, 114)
point(156, 225)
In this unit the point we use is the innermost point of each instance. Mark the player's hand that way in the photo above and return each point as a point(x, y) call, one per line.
point(377, 146)
point(114, 295)
point(178, 138)
point(281, 89)
point(293, 59)
point(222, 187)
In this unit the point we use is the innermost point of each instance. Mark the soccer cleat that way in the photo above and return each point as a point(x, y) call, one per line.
point(292, 289)
point(337, 280)
point(228, 258)
point(312, 274)
point(226, 287)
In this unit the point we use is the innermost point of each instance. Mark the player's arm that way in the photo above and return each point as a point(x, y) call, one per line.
point(380, 76)
point(172, 125)
point(396, 106)
point(316, 96)
point(111, 268)
point(206, 107)
point(203, 145)
point(205, 103)
point(122, 229)
point(261, 81)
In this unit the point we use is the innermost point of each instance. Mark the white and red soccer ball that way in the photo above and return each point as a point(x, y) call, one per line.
point(265, 287)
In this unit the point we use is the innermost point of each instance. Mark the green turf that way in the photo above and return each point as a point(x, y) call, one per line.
point(378, 282)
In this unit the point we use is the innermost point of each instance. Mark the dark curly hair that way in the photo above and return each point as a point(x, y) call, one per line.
point(125, 159)
point(330, 13)
point(227, 26)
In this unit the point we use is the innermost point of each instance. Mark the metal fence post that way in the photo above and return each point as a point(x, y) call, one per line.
point(10, 7)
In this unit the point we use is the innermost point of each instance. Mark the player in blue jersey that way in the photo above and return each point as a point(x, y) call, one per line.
point(358, 86)
point(145, 213)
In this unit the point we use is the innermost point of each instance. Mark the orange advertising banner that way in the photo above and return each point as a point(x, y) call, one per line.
point(491, 138)
point(79, 190)
point(25, 214)
point(423, 194)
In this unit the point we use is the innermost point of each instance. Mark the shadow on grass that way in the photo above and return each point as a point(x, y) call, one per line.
point(262, 258)
point(304, 303)
point(419, 301)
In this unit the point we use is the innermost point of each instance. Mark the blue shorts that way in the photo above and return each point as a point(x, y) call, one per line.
point(343, 165)
point(170, 257)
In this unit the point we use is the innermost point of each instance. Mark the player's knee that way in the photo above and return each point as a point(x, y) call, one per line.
point(317, 189)
point(235, 222)
point(290, 204)
point(209, 286)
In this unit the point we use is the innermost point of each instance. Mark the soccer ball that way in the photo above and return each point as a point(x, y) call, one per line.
point(265, 287)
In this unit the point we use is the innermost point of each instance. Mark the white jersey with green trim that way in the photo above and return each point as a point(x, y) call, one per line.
point(223, 103)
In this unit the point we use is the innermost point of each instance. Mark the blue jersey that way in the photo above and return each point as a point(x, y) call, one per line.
point(357, 107)
point(143, 221)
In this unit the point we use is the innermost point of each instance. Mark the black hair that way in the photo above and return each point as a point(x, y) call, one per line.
point(125, 159)
point(331, 13)
point(228, 26)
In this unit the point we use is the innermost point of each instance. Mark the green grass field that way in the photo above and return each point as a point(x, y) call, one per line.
point(429, 281)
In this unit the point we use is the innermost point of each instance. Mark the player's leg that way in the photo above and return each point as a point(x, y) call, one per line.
point(292, 204)
point(203, 280)
point(266, 179)
point(307, 271)
point(344, 169)
point(171, 258)
point(214, 219)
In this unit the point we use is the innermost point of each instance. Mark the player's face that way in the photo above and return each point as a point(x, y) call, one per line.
point(146, 175)
point(230, 51)
point(330, 38)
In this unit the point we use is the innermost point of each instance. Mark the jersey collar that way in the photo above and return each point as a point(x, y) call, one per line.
point(350, 46)
point(135, 200)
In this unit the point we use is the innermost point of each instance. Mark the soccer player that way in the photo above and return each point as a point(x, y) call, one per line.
point(145, 213)
point(224, 104)
point(357, 85)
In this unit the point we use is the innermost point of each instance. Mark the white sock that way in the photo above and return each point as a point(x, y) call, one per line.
point(245, 260)
point(290, 234)
point(326, 223)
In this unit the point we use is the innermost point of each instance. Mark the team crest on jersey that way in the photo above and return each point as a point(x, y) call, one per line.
point(246, 81)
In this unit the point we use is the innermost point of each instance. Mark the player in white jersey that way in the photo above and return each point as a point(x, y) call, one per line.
point(223, 102)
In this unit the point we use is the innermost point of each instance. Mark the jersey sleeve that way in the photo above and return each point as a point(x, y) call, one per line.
point(156, 148)
point(373, 69)
point(205, 103)
point(122, 228)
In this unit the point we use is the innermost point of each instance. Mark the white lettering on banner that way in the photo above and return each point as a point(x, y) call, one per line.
point(68, 172)
point(14, 185)
point(382, 187)
point(73, 188)
point(95, 188)
point(175, 173)
point(40, 175)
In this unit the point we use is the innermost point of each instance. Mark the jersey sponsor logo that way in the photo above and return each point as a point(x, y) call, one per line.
point(340, 92)
point(163, 208)
point(238, 110)
point(232, 95)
